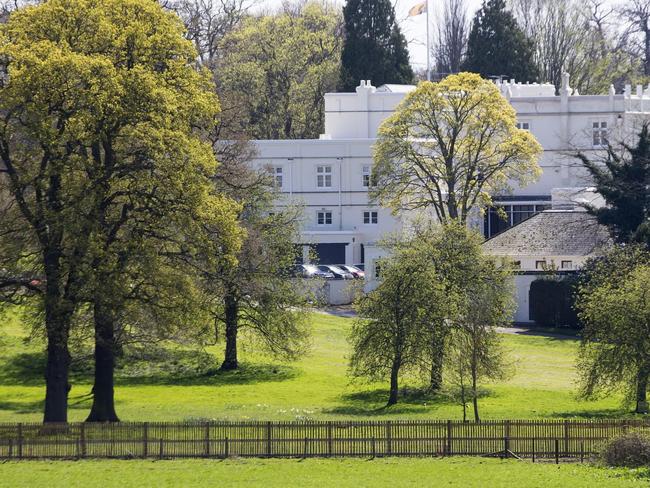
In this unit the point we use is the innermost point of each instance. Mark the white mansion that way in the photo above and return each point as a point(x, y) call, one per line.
point(330, 176)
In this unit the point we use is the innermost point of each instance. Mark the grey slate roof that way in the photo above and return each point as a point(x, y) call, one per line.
point(551, 233)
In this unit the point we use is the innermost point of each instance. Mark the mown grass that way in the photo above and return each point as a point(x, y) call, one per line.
point(394, 473)
point(184, 384)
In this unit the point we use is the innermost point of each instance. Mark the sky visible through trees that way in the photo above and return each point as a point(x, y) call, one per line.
point(414, 28)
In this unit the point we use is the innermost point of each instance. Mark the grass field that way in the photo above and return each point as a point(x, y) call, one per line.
point(189, 387)
point(394, 473)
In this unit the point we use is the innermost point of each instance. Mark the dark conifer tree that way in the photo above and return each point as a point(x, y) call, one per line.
point(374, 48)
point(498, 47)
point(623, 180)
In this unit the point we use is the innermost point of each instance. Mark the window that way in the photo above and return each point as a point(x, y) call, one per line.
point(324, 218)
point(366, 176)
point(567, 264)
point(324, 176)
point(540, 265)
point(523, 125)
point(276, 173)
point(370, 217)
point(599, 133)
point(498, 219)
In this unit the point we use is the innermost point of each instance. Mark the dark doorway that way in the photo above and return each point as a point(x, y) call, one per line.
point(330, 253)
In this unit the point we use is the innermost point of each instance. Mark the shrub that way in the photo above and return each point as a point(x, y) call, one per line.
point(630, 450)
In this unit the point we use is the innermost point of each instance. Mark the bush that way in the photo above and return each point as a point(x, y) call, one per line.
point(630, 450)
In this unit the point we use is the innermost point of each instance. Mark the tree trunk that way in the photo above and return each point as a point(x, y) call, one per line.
point(57, 325)
point(57, 370)
point(437, 356)
point(103, 408)
point(641, 390)
point(232, 317)
point(475, 392)
point(394, 387)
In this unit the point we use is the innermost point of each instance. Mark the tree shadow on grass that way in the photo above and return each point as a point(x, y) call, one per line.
point(373, 402)
point(161, 367)
point(245, 374)
point(604, 413)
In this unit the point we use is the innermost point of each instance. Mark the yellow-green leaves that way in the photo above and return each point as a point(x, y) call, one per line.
point(276, 69)
point(451, 146)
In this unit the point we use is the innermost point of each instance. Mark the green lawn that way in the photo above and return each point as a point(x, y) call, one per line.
point(314, 387)
point(394, 473)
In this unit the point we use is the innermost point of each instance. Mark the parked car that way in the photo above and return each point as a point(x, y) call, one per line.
point(312, 271)
point(355, 271)
point(339, 274)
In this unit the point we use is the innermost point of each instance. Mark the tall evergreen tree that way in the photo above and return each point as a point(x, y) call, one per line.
point(374, 48)
point(497, 46)
point(624, 181)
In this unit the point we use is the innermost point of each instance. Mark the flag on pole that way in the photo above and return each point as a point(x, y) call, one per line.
point(418, 9)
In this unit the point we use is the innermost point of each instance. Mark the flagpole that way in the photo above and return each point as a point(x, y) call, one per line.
point(428, 45)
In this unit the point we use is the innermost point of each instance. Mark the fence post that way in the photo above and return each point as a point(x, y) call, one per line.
point(389, 438)
point(533, 449)
point(582, 451)
point(305, 450)
point(268, 439)
point(449, 438)
point(82, 436)
point(207, 439)
point(225, 448)
point(372, 443)
point(20, 441)
point(160, 452)
point(145, 441)
point(557, 451)
point(329, 438)
point(566, 438)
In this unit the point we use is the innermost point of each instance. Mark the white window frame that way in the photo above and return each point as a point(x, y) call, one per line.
point(324, 176)
point(599, 133)
point(277, 173)
point(370, 217)
point(523, 125)
point(365, 176)
point(568, 262)
point(324, 217)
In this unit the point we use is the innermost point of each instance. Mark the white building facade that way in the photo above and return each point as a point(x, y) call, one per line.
point(329, 177)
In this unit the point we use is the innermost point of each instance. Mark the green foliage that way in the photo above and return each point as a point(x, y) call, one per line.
point(498, 47)
point(275, 70)
point(615, 350)
point(449, 146)
point(375, 48)
point(107, 164)
point(398, 320)
point(623, 179)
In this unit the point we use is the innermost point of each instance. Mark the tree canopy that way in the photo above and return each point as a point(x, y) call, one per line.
point(374, 47)
point(450, 146)
point(622, 178)
point(498, 47)
point(275, 69)
point(104, 157)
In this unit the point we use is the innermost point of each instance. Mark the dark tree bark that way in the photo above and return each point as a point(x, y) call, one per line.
point(475, 386)
point(232, 319)
point(58, 312)
point(394, 386)
point(103, 408)
point(641, 390)
point(437, 356)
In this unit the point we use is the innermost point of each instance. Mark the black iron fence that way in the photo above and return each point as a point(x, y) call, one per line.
point(536, 439)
